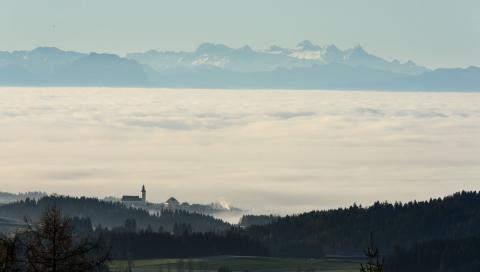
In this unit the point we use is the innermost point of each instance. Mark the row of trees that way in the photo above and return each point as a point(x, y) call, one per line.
point(131, 242)
point(154, 245)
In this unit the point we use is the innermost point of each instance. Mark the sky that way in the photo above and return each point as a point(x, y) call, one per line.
point(434, 33)
point(263, 151)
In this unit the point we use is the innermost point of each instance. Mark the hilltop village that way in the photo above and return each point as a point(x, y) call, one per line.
point(173, 204)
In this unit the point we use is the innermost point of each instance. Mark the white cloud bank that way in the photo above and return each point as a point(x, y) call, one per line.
point(268, 151)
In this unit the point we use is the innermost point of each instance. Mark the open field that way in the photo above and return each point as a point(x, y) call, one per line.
point(238, 264)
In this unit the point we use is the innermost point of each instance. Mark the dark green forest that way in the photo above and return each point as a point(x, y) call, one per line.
point(151, 245)
point(257, 220)
point(111, 214)
point(346, 231)
point(451, 255)
point(441, 234)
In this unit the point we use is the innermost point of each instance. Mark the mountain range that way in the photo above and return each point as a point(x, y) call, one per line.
point(307, 66)
point(245, 59)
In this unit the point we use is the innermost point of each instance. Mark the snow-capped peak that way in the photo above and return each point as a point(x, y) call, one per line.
point(211, 48)
point(308, 46)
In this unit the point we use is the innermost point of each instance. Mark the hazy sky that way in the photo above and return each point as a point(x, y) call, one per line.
point(430, 32)
point(266, 151)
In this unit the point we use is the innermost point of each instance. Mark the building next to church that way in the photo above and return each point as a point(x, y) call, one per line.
point(136, 200)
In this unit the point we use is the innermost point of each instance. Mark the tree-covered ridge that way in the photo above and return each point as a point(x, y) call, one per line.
point(9, 197)
point(110, 214)
point(345, 231)
point(446, 229)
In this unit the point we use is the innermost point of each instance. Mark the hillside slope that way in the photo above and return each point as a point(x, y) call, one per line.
point(109, 214)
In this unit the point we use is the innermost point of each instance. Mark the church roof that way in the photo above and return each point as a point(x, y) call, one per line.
point(173, 201)
point(131, 198)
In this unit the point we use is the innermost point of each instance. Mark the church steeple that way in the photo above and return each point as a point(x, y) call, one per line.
point(144, 194)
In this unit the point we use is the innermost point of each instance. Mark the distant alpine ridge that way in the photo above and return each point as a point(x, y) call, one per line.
point(307, 66)
point(246, 60)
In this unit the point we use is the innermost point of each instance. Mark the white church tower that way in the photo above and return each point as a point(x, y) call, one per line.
point(144, 194)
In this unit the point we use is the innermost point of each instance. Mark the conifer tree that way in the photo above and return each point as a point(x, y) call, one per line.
point(10, 259)
point(374, 263)
point(52, 247)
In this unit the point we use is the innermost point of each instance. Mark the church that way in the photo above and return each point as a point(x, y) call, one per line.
point(129, 199)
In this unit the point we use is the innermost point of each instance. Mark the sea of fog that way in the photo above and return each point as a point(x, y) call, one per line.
point(265, 151)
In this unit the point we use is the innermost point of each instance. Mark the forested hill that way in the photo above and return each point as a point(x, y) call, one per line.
point(110, 214)
point(346, 231)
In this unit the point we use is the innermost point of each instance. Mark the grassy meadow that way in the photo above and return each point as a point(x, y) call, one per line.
point(237, 264)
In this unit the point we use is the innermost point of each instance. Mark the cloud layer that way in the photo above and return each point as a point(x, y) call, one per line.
point(268, 151)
